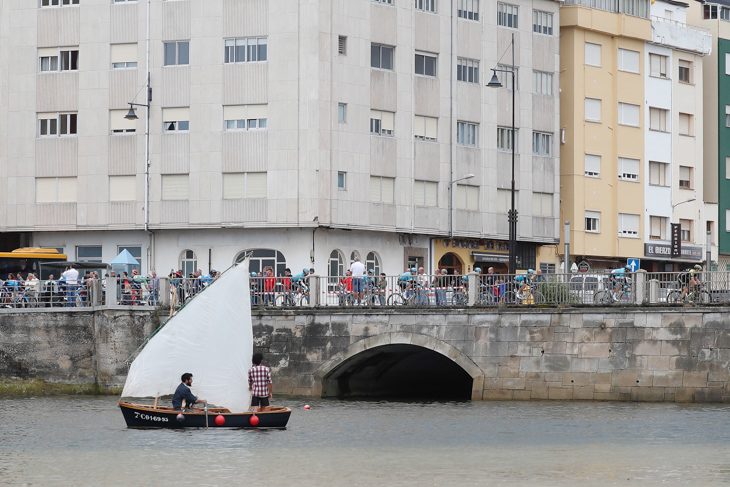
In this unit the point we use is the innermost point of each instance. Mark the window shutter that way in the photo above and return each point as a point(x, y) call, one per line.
point(419, 193)
point(472, 198)
point(388, 190)
point(593, 54)
point(461, 196)
point(47, 51)
point(118, 122)
point(234, 112)
point(593, 109)
point(683, 173)
point(256, 185)
point(375, 188)
point(431, 127)
point(234, 186)
point(176, 115)
point(431, 190)
point(547, 204)
point(67, 190)
point(654, 69)
point(536, 204)
point(388, 120)
point(256, 111)
point(124, 53)
point(593, 164)
point(174, 187)
point(45, 190)
point(122, 188)
point(684, 124)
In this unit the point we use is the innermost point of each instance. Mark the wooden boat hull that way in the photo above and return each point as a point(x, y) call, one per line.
point(140, 416)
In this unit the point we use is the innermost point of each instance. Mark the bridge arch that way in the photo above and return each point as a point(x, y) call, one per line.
point(396, 365)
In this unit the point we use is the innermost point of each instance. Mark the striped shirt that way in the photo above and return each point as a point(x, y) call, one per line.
point(259, 378)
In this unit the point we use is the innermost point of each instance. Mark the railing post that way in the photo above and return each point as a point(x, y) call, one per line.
point(163, 297)
point(314, 285)
point(111, 291)
point(653, 291)
point(639, 286)
point(94, 292)
point(473, 288)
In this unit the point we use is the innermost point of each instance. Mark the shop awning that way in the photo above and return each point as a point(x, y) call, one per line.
point(489, 257)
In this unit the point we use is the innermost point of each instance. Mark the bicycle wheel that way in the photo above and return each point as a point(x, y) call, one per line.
point(702, 297)
point(602, 297)
point(509, 298)
point(303, 300)
point(282, 300)
point(674, 297)
point(459, 299)
point(538, 298)
point(396, 299)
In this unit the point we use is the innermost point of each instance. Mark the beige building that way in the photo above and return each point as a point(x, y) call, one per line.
point(310, 132)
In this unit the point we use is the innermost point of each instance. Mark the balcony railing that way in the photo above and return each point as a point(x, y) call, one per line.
point(635, 8)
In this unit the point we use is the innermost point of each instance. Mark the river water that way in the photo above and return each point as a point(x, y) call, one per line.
point(83, 441)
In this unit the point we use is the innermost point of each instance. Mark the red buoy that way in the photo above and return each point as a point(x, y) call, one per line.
point(220, 420)
point(306, 406)
point(254, 420)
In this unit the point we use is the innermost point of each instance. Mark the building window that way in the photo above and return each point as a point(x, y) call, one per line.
point(725, 14)
point(381, 56)
point(426, 5)
point(593, 222)
point(174, 187)
point(658, 119)
point(593, 54)
point(467, 197)
point(242, 50)
point(727, 167)
point(260, 259)
point(425, 128)
point(628, 169)
point(658, 173)
point(685, 177)
point(385, 2)
point(342, 112)
point(381, 189)
point(628, 114)
point(542, 22)
point(542, 82)
point(58, 3)
point(342, 45)
point(467, 70)
point(727, 226)
point(686, 226)
point(55, 59)
point(118, 124)
point(89, 253)
point(176, 119)
point(547, 268)
point(188, 262)
point(507, 15)
point(426, 64)
point(124, 56)
point(506, 138)
point(504, 200)
point(467, 134)
point(124, 1)
point(727, 115)
point(468, 9)
point(381, 123)
point(628, 61)
point(177, 53)
point(542, 144)
point(55, 190)
point(136, 252)
point(122, 188)
point(505, 78)
point(592, 166)
point(372, 262)
point(245, 117)
point(542, 204)
point(685, 71)
point(686, 124)
point(657, 227)
point(425, 193)
point(727, 63)
point(628, 225)
point(244, 185)
point(342, 181)
point(336, 267)
point(657, 66)
point(710, 12)
point(57, 124)
point(593, 110)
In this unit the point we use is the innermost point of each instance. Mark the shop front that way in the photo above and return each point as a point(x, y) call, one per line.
point(462, 255)
point(658, 258)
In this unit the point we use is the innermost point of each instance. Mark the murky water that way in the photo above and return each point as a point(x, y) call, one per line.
point(64, 441)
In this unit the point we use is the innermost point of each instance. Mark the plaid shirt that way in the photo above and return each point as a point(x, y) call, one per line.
point(259, 378)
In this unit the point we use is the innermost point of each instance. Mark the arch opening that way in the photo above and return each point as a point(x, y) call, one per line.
point(398, 371)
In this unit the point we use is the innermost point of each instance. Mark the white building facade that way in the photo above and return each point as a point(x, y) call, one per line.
point(308, 132)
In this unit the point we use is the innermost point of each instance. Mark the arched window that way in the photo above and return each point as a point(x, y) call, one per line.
point(373, 262)
point(263, 258)
point(451, 262)
point(336, 265)
point(355, 254)
point(188, 262)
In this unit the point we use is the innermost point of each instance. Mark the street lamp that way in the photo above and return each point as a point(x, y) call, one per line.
point(512, 214)
point(683, 202)
point(131, 115)
point(451, 202)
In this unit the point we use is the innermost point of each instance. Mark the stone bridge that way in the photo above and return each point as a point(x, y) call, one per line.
point(637, 354)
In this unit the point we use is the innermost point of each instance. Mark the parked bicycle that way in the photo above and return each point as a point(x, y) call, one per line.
point(528, 296)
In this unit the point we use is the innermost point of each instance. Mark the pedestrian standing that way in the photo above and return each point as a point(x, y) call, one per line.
point(358, 279)
point(259, 383)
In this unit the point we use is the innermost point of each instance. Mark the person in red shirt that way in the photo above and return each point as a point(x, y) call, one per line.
point(286, 280)
point(346, 296)
point(269, 285)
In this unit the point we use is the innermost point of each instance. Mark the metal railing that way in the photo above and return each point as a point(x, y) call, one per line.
point(634, 8)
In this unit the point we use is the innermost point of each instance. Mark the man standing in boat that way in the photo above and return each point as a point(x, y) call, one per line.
point(183, 393)
point(259, 383)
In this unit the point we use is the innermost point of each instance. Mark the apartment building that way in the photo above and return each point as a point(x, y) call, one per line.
point(631, 163)
point(305, 133)
point(715, 16)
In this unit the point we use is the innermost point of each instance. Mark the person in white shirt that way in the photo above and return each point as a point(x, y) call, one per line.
point(358, 279)
point(71, 277)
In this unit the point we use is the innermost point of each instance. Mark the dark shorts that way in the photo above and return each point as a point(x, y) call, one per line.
point(358, 284)
point(259, 401)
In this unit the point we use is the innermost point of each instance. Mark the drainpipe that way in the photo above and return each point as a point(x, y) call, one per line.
point(451, 124)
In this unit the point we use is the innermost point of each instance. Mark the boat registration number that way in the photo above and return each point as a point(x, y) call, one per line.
point(147, 417)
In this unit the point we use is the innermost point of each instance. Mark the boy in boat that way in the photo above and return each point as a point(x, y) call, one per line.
point(183, 394)
point(259, 383)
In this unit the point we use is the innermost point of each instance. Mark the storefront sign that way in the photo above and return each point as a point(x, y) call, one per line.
point(474, 244)
point(485, 257)
point(665, 251)
point(676, 240)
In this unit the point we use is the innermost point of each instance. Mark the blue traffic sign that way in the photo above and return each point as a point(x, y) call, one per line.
point(635, 264)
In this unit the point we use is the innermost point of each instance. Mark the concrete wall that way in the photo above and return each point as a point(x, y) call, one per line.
point(610, 354)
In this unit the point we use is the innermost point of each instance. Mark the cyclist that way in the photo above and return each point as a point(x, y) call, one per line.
point(525, 281)
point(406, 280)
point(619, 278)
point(690, 279)
point(299, 281)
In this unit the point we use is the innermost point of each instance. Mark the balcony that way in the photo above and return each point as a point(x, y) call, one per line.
point(670, 33)
point(634, 8)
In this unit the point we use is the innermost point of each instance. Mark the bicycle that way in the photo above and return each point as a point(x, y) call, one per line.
point(405, 297)
point(24, 299)
point(529, 296)
point(293, 297)
point(623, 296)
point(697, 295)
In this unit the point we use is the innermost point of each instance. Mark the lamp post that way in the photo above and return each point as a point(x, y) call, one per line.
point(451, 202)
point(131, 115)
point(512, 214)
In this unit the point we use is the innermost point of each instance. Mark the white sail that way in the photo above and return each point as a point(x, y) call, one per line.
point(211, 337)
